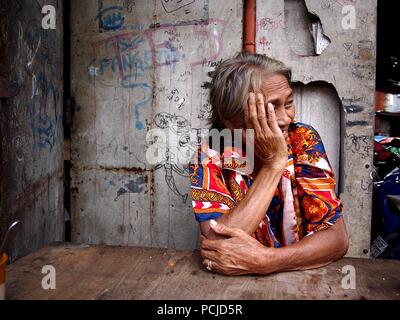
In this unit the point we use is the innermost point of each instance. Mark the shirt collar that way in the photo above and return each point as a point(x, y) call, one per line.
point(232, 158)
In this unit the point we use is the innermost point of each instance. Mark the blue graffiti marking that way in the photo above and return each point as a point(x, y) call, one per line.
point(136, 63)
point(148, 91)
point(130, 44)
point(46, 122)
point(111, 21)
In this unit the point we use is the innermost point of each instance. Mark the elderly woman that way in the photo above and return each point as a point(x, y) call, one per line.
point(284, 215)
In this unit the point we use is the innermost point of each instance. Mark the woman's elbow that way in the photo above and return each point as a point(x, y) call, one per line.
point(207, 232)
point(339, 240)
point(342, 244)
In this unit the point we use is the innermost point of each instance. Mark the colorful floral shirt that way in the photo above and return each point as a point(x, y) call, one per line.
point(304, 201)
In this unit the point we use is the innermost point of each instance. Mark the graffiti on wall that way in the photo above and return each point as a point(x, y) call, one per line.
point(45, 106)
point(44, 112)
point(122, 15)
point(129, 57)
point(175, 142)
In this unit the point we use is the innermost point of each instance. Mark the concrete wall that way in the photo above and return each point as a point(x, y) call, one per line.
point(136, 66)
point(140, 65)
point(31, 146)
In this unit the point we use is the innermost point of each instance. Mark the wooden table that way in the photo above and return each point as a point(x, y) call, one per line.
point(100, 272)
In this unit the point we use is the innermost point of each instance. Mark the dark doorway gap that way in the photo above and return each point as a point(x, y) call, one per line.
point(67, 116)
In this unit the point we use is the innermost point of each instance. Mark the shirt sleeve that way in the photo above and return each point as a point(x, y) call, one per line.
point(315, 181)
point(210, 195)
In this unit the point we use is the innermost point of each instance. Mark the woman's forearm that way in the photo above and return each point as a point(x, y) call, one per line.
point(270, 147)
point(250, 211)
point(314, 251)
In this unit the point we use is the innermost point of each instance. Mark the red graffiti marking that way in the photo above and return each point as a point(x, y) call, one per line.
point(264, 43)
point(211, 33)
point(270, 24)
point(128, 42)
point(116, 42)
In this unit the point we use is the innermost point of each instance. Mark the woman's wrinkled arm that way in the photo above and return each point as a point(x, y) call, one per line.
point(241, 254)
point(317, 250)
point(271, 150)
point(250, 211)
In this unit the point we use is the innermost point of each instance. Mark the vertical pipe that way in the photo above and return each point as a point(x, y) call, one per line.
point(249, 26)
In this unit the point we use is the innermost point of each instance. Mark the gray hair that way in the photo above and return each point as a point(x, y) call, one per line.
point(234, 78)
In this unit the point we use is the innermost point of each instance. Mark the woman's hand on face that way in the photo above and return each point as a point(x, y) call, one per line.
point(269, 143)
point(237, 255)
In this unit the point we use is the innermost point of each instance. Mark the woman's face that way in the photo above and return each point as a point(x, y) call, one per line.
point(276, 89)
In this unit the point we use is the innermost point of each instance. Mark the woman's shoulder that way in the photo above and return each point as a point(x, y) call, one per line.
point(305, 142)
point(303, 135)
point(301, 127)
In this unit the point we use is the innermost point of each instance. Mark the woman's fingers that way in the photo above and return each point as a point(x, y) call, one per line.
point(257, 117)
point(209, 254)
point(223, 230)
point(210, 244)
point(214, 266)
point(253, 114)
point(246, 114)
point(272, 121)
point(261, 114)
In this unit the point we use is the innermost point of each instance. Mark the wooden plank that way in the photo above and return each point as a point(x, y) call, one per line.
point(100, 272)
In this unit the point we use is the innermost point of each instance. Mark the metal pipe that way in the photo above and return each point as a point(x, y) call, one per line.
point(249, 26)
